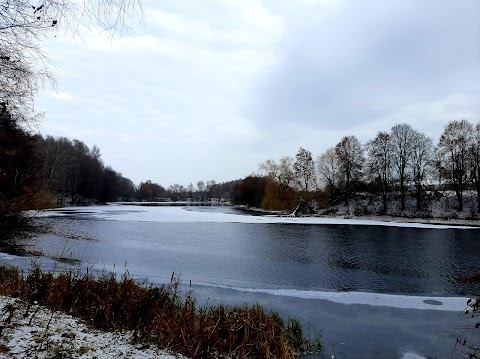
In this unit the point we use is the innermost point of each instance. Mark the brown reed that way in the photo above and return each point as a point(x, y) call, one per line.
point(159, 314)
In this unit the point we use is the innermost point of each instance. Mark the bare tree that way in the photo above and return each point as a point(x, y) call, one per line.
point(454, 149)
point(285, 167)
point(175, 191)
point(422, 159)
point(210, 188)
point(379, 163)
point(402, 135)
point(190, 190)
point(350, 155)
point(201, 188)
point(328, 167)
point(475, 160)
point(282, 173)
point(270, 168)
point(304, 169)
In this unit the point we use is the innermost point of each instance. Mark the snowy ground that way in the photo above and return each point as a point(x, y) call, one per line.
point(435, 222)
point(41, 333)
point(436, 210)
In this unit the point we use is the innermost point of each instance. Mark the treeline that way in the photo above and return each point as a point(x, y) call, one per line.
point(394, 166)
point(38, 172)
point(203, 191)
point(397, 167)
point(76, 173)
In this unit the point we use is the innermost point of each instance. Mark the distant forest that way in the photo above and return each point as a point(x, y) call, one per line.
point(394, 168)
point(38, 172)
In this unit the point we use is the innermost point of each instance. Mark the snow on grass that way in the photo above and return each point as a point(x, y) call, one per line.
point(191, 214)
point(40, 333)
point(412, 355)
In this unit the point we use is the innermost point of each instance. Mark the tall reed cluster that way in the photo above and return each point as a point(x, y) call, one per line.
point(159, 315)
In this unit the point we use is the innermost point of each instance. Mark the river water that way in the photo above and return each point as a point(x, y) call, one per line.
point(376, 290)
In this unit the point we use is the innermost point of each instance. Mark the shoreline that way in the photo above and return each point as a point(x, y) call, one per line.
point(402, 219)
point(378, 218)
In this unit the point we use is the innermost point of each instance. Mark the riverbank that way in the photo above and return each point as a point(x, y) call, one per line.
point(149, 315)
point(403, 219)
point(343, 215)
point(28, 331)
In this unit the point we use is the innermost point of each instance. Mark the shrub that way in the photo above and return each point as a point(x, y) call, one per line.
point(469, 343)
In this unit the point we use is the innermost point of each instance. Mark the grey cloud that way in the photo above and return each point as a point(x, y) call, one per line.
point(369, 61)
point(213, 88)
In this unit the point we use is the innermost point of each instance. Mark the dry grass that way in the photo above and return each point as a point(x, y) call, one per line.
point(159, 314)
point(468, 344)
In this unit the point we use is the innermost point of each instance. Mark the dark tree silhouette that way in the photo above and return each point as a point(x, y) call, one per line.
point(379, 164)
point(18, 165)
point(350, 156)
point(401, 139)
point(304, 169)
point(250, 191)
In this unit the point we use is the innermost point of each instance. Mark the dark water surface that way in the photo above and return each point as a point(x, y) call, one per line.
point(347, 257)
point(222, 260)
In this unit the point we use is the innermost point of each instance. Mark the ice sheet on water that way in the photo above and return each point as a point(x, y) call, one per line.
point(181, 215)
point(454, 304)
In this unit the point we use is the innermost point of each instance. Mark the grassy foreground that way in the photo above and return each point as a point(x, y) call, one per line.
point(161, 315)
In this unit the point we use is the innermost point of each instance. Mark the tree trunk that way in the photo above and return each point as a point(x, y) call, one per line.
point(419, 198)
point(460, 200)
point(402, 195)
point(477, 184)
point(347, 193)
point(384, 197)
point(478, 196)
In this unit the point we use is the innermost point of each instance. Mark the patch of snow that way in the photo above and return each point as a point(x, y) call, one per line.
point(41, 333)
point(411, 355)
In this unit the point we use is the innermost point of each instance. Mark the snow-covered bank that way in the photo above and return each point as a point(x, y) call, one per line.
point(452, 222)
point(41, 333)
point(189, 215)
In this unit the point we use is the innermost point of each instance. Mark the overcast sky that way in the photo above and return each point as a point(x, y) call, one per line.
point(209, 89)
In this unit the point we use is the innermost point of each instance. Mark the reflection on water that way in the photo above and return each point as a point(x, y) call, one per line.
point(343, 257)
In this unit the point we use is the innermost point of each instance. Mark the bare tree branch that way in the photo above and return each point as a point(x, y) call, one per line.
point(24, 66)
